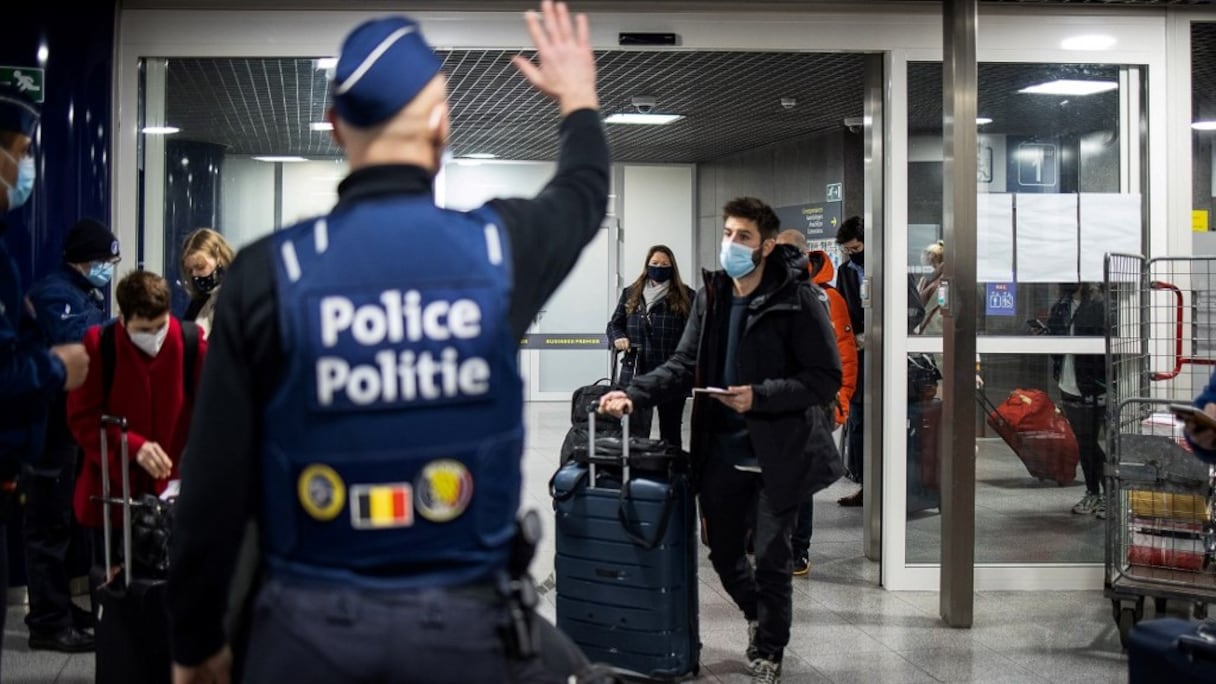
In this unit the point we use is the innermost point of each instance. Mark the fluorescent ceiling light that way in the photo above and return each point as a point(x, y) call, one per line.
point(160, 130)
point(1066, 86)
point(981, 120)
point(638, 118)
point(326, 63)
point(274, 158)
point(1204, 125)
point(1088, 43)
point(480, 155)
point(321, 126)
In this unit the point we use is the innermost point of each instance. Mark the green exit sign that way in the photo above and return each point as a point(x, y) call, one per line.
point(29, 80)
point(835, 193)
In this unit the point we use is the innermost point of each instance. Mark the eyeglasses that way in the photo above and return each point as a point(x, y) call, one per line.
point(848, 251)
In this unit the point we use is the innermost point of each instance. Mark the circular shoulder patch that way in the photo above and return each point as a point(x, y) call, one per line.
point(443, 490)
point(321, 492)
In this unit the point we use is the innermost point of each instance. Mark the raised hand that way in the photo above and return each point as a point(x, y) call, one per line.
point(566, 64)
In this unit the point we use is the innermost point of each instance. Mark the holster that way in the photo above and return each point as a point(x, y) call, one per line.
point(516, 587)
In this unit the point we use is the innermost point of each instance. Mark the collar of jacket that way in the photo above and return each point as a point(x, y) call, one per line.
point(387, 179)
point(77, 279)
point(822, 270)
point(795, 260)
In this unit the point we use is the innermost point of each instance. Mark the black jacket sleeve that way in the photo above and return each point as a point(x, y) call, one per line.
point(548, 233)
point(817, 378)
point(673, 379)
point(220, 469)
point(617, 324)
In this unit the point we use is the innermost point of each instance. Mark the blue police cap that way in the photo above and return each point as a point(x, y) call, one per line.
point(18, 113)
point(384, 64)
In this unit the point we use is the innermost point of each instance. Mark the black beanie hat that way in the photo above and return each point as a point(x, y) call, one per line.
point(89, 240)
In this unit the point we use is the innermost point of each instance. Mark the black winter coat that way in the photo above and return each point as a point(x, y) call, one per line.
point(787, 353)
point(1088, 321)
point(654, 333)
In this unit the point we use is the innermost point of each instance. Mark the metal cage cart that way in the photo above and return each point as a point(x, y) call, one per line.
point(1160, 536)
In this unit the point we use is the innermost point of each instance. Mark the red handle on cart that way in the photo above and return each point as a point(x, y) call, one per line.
point(1179, 359)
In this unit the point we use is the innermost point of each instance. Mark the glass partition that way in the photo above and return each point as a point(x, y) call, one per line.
point(1057, 189)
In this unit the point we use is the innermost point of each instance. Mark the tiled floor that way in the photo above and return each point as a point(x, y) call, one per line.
point(846, 628)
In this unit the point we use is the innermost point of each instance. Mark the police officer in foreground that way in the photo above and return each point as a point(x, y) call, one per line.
point(31, 374)
point(362, 400)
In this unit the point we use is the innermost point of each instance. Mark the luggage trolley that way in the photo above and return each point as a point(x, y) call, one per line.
point(1160, 350)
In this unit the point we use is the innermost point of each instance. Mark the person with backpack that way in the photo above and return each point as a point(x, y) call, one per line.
point(144, 368)
point(820, 270)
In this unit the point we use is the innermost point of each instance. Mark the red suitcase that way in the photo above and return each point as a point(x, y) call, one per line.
point(1037, 432)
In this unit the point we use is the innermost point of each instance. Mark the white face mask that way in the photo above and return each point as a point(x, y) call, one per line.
point(149, 342)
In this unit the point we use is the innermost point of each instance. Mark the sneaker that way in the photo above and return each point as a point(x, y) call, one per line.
point(802, 566)
point(765, 671)
point(1087, 504)
point(1100, 508)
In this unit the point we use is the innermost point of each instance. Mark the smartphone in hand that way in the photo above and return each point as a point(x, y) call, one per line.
point(1194, 416)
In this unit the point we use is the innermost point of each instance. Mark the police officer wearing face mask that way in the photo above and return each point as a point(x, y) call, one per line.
point(31, 374)
point(65, 304)
point(363, 402)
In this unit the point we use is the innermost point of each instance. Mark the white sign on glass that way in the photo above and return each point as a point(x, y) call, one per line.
point(1046, 238)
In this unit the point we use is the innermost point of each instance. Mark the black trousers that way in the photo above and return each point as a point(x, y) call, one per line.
point(764, 593)
point(800, 540)
point(47, 534)
point(671, 420)
point(306, 634)
point(1085, 415)
point(854, 455)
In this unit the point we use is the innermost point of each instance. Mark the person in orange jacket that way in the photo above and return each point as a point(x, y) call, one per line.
point(822, 273)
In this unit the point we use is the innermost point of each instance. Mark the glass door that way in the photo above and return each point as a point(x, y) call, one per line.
point(1061, 181)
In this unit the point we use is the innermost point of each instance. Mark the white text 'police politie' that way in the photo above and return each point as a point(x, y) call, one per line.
point(405, 370)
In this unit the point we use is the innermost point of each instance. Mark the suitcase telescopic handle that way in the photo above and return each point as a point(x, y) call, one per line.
point(591, 447)
point(107, 501)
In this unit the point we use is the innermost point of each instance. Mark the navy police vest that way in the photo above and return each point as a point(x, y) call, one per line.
point(392, 447)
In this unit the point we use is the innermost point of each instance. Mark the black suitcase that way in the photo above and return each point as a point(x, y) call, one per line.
point(132, 632)
point(1172, 650)
point(627, 557)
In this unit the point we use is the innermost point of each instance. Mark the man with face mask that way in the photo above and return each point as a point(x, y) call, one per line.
point(851, 239)
point(761, 444)
point(363, 403)
point(30, 373)
point(155, 362)
point(66, 303)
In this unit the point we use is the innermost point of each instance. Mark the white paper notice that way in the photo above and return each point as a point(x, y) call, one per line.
point(1110, 222)
point(1047, 238)
point(994, 238)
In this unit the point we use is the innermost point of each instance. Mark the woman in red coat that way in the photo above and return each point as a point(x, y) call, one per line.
point(148, 389)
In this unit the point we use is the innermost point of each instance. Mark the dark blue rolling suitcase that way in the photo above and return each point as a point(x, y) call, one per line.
point(1172, 650)
point(627, 557)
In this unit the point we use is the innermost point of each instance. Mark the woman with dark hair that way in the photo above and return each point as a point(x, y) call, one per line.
point(647, 325)
point(1080, 311)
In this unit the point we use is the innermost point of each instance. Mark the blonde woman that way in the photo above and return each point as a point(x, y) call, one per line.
point(206, 255)
point(933, 256)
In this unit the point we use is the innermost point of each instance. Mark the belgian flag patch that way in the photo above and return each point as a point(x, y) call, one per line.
point(383, 506)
